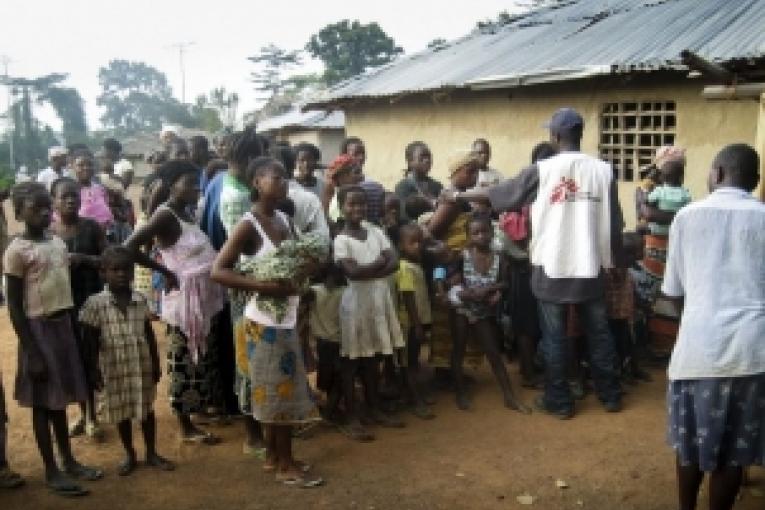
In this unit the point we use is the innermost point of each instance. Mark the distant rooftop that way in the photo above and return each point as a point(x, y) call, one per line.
point(297, 119)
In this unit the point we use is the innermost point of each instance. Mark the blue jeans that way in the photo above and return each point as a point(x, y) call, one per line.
point(554, 346)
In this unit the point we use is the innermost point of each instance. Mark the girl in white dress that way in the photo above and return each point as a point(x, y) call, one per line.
point(368, 321)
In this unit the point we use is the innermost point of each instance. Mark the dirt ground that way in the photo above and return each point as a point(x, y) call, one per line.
point(484, 458)
point(481, 459)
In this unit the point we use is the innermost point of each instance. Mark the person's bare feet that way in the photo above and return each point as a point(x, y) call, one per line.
point(157, 461)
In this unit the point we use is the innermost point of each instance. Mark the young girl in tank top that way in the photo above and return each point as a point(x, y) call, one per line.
point(280, 395)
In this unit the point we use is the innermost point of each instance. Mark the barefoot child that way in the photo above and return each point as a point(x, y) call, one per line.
point(115, 322)
point(477, 294)
point(413, 312)
point(324, 325)
point(190, 305)
point(84, 239)
point(51, 373)
point(280, 398)
point(368, 320)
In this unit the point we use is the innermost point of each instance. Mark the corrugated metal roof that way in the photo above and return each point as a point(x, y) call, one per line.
point(310, 119)
point(573, 40)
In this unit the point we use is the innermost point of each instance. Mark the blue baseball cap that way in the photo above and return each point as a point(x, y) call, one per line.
point(565, 119)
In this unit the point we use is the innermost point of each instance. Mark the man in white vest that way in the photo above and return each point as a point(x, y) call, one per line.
point(576, 225)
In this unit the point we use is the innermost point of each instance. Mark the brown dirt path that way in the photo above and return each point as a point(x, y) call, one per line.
point(484, 459)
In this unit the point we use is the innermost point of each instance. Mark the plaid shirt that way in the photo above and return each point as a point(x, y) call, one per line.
point(124, 356)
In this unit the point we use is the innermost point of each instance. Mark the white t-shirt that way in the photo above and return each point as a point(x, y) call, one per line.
point(716, 261)
point(488, 177)
point(309, 214)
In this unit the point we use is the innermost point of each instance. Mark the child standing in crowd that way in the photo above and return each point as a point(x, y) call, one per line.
point(620, 303)
point(51, 374)
point(9, 479)
point(368, 320)
point(413, 312)
point(280, 398)
point(84, 239)
point(392, 219)
point(670, 195)
point(417, 189)
point(354, 147)
point(116, 323)
point(307, 157)
point(324, 324)
point(476, 295)
point(93, 201)
point(188, 310)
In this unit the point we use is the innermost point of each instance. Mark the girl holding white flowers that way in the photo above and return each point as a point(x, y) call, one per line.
point(280, 398)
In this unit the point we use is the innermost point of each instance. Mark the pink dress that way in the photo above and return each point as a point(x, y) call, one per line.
point(95, 205)
point(198, 299)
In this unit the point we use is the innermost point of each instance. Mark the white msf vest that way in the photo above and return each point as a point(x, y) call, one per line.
point(571, 217)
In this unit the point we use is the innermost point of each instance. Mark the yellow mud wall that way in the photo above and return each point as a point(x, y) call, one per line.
point(512, 122)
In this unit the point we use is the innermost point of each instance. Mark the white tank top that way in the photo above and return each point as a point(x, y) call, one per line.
point(252, 311)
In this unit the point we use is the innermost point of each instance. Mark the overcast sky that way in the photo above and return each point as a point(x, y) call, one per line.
point(79, 36)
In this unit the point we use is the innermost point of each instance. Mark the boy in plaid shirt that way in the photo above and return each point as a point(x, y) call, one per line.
point(116, 325)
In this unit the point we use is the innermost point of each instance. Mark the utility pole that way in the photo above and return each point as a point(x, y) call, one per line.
point(181, 47)
point(5, 60)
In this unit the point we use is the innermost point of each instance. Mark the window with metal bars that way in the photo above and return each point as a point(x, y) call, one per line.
point(631, 132)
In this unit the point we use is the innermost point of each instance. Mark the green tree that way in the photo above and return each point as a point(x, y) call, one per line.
point(273, 62)
point(226, 103)
point(349, 48)
point(137, 97)
point(30, 138)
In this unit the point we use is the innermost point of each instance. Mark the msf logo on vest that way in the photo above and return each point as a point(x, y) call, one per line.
point(567, 190)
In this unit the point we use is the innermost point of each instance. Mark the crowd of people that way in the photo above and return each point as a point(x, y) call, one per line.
point(265, 265)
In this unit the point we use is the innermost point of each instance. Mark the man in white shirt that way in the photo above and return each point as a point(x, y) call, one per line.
point(716, 269)
point(576, 226)
point(57, 168)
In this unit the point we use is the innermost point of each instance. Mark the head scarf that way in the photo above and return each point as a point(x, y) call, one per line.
point(460, 160)
point(667, 153)
point(340, 164)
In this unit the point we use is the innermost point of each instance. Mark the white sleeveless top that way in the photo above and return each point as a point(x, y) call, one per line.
point(252, 311)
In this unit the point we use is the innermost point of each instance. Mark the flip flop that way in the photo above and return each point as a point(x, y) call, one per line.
point(66, 488)
point(205, 438)
point(300, 481)
point(259, 452)
point(80, 472)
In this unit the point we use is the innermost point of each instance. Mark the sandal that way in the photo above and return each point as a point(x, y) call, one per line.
point(81, 472)
point(63, 487)
point(205, 438)
point(10, 479)
point(301, 481)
